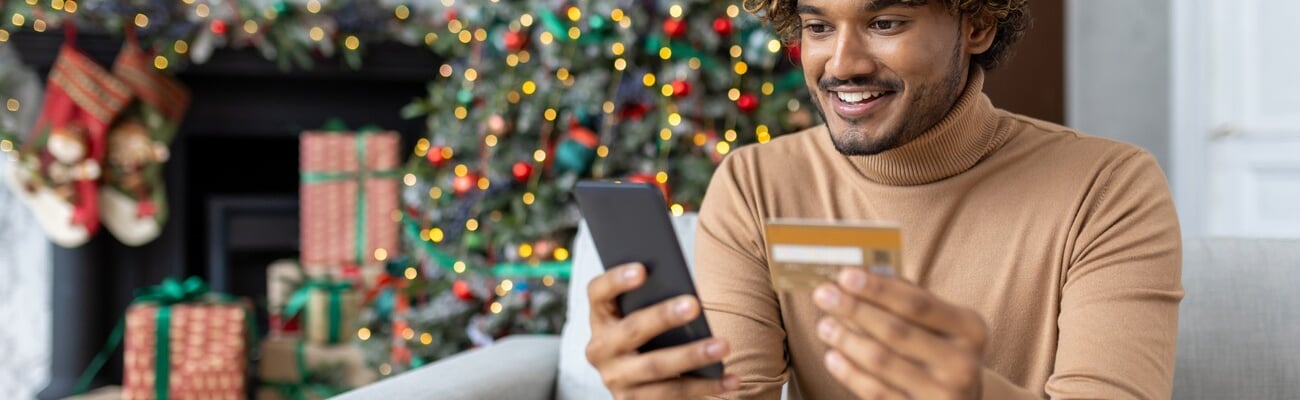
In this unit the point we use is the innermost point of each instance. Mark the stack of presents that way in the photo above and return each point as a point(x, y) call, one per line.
point(183, 342)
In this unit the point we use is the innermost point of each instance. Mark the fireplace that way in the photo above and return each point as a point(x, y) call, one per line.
point(232, 183)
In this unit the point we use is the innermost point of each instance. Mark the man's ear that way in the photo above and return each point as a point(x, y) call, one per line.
point(979, 34)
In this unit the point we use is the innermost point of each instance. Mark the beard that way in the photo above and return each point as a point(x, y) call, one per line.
point(930, 103)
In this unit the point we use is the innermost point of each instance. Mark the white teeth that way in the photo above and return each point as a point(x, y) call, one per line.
point(854, 97)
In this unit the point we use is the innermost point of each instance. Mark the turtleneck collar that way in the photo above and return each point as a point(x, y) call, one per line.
point(965, 136)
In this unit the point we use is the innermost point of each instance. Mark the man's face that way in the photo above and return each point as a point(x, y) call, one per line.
point(880, 72)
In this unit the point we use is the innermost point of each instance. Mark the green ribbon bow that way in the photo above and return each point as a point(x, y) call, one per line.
point(334, 291)
point(360, 176)
point(558, 269)
point(164, 295)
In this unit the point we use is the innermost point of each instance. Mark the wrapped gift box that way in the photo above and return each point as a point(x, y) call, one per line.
point(326, 308)
point(349, 196)
point(290, 364)
point(205, 350)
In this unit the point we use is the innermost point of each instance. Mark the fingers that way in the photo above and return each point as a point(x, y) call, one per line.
point(916, 305)
point(919, 344)
point(603, 290)
point(862, 384)
point(664, 364)
point(877, 359)
point(679, 388)
point(619, 336)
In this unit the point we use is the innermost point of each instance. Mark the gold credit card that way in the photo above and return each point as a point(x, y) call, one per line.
point(802, 253)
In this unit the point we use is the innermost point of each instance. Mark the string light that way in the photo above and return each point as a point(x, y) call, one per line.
point(602, 151)
point(733, 11)
point(550, 115)
point(480, 34)
point(665, 134)
point(436, 235)
point(661, 177)
point(424, 235)
point(675, 11)
point(402, 12)
point(666, 90)
point(548, 280)
point(70, 6)
point(461, 170)
point(201, 10)
point(539, 155)
point(736, 51)
point(620, 64)
point(546, 38)
point(430, 37)
point(461, 112)
point(160, 62)
point(512, 60)
point(774, 45)
point(435, 193)
point(313, 6)
point(574, 14)
point(459, 267)
point(730, 135)
point(38, 25)
point(617, 48)
point(575, 33)
point(528, 198)
point(454, 26)
point(665, 53)
point(385, 369)
point(18, 19)
point(490, 140)
point(741, 68)
point(6, 146)
point(529, 87)
point(316, 33)
point(608, 107)
point(525, 250)
point(693, 63)
point(484, 183)
point(56, 5)
point(4, 35)
point(12, 105)
point(446, 70)
point(410, 273)
point(409, 179)
point(448, 3)
point(674, 119)
point(250, 27)
point(768, 88)
point(648, 79)
point(700, 139)
point(471, 74)
point(351, 42)
point(141, 20)
point(508, 285)
point(526, 20)
point(408, 333)
point(722, 148)
point(471, 225)
point(561, 254)
point(426, 338)
point(496, 307)
point(363, 333)
point(562, 73)
point(733, 94)
point(381, 254)
point(465, 37)
point(677, 210)
point(616, 15)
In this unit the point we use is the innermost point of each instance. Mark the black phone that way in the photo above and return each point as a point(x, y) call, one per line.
point(629, 223)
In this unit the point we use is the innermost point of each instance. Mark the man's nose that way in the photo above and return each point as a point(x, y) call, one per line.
point(852, 56)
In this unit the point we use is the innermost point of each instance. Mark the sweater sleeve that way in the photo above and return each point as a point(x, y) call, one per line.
point(1119, 305)
point(734, 286)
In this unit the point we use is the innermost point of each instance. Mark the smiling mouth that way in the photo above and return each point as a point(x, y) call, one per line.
point(858, 97)
point(855, 104)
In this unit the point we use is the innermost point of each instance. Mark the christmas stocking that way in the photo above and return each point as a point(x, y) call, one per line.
point(61, 160)
point(134, 200)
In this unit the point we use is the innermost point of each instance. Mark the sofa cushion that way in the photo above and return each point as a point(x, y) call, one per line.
point(1237, 329)
point(577, 378)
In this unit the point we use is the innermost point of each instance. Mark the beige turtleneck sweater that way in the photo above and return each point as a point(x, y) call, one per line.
point(1067, 244)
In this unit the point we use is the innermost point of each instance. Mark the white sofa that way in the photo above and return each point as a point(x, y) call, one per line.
point(1239, 334)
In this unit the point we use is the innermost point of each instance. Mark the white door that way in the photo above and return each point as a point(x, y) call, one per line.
point(1236, 169)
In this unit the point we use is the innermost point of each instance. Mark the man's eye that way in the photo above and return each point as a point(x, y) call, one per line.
point(885, 25)
point(816, 27)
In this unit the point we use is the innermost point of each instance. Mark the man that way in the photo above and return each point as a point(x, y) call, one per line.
point(1037, 261)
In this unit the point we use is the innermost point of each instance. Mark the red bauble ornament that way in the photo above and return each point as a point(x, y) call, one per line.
point(747, 102)
point(681, 89)
point(435, 156)
point(461, 290)
point(218, 27)
point(674, 27)
point(522, 171)
point(722, 25)
point(515, 41)
point(451, 14)
point(796, 54)
point(464, 184)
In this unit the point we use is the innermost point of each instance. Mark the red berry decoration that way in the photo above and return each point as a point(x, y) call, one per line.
point(747, 102)
point(218, 27)
point(674, 27)
point(722, 25)
point(464, 184)
point(796, 54)
point(681, 88)
point(451, 14)
point(461, 290)
point(515, 41)
point(435, 157)
point(522, 171)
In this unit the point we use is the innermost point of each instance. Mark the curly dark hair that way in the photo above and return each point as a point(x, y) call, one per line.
point(1010, 16)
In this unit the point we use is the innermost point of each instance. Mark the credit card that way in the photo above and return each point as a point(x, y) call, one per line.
point(805, 253)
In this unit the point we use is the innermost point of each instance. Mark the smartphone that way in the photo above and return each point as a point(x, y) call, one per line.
point(629, 223)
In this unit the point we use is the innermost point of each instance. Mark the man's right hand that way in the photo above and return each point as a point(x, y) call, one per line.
point(656, 374)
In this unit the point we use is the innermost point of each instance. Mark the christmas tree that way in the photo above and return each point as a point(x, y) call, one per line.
point(531, 97)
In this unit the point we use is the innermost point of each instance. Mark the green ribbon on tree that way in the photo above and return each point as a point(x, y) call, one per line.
point(656, 42)
point(334, 291)
point(164, 295)
point(556, 27)
point(361, 175)
point(558, 269)
point(790, 81)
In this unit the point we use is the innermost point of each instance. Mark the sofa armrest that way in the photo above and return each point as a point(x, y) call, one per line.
point(517, 367)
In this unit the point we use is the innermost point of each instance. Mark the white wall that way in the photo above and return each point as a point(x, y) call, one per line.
point(1117, 71)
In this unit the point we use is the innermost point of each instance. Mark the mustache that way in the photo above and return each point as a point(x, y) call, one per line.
point(887, 84)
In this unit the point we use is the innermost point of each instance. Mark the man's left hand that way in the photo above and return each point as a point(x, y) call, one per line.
point(891, 340)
